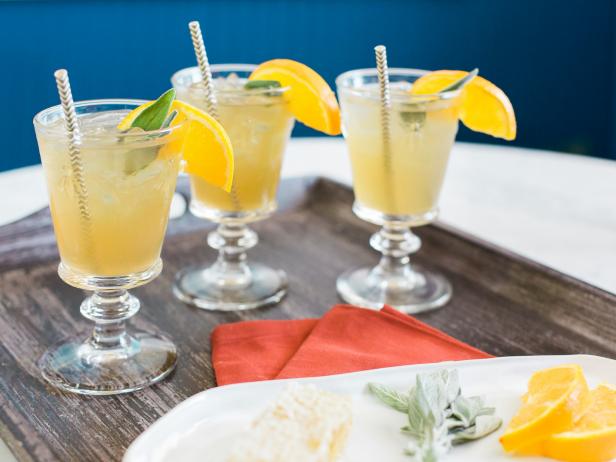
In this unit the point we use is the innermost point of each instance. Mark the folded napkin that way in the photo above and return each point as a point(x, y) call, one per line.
point(345, 339)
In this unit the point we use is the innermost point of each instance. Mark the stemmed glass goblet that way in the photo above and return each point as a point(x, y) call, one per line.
point(396, 186)
point(259, 123)
point(109, 214)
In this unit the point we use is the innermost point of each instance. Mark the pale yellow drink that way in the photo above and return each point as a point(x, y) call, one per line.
point(130, 180)
point(259, 124)
point(406, 180)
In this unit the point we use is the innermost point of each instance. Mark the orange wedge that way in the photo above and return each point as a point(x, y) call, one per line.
point(310, 98)
point(556, 397)
point(205, 145)
point(593, 438)
point(484, 107)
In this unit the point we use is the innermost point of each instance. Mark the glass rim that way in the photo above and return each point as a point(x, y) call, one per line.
point(228, 67)
point(395, 96)
point(41, 125)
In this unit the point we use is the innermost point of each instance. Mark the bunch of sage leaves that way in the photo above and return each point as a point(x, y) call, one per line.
point(438, 415)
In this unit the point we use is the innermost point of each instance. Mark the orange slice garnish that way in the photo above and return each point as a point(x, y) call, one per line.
point(484, 107)
point(205, 145)
point(310, 98)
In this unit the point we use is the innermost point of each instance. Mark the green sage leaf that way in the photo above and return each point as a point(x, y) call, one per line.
point(452, 386)
point(438, 414)
point(261, 84)
point(416, 418)
point(153, 117)
point(453, 423)
point(484, 425)
point(389, 396)
point(467, 409)
point(430, 388)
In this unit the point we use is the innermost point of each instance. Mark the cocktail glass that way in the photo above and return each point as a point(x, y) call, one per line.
point(109, 240)
point(259, 123)
point(396, 183)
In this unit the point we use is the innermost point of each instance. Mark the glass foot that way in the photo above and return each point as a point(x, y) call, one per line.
point(138, 360)
point(208, 288)
point(415, 291)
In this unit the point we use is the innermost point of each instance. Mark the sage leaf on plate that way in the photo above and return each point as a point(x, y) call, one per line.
point(433, 391)
point(420, 417)
point(438, 415)
point(389, 396)
point(466, 409)
point(426, 422)
point(452, 384)
point(453, 423)
point(484, 425)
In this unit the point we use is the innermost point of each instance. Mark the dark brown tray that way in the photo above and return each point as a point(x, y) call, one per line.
point(502, 303)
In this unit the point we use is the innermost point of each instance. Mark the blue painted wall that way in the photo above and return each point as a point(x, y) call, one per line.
point(555, 59)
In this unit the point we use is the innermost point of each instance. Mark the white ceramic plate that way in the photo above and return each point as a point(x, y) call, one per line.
point(204, 427)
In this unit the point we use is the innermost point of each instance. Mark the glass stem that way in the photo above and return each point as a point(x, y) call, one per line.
point(395, 243)
point(232, 240)
point(109, 309)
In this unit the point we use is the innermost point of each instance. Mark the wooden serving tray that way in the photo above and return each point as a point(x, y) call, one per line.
point(502, 303)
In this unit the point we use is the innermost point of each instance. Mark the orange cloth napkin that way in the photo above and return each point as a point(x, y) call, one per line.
point(345, 339)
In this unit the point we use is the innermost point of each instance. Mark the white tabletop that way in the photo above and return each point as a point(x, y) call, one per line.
point(557, 209)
